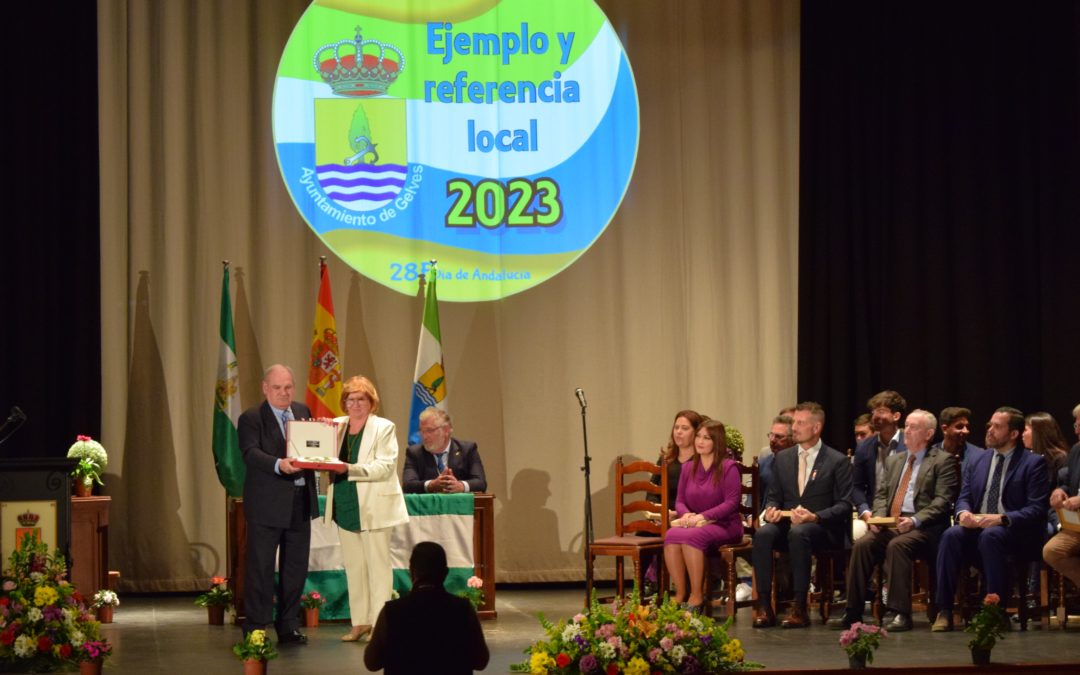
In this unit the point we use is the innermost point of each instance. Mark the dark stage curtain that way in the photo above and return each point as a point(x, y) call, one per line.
point(940, 207)
point(50, 338)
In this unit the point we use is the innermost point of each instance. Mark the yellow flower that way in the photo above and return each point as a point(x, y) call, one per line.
point(733, 651)
point(257, 638)
point(540, 663)
point(637, 666)
point(45, 595)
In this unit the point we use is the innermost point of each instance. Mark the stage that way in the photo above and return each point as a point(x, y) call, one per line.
point(163, 634)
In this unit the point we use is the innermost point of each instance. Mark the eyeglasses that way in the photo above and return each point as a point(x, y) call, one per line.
point(774, 437)
point(431, 430)
point(355, 401)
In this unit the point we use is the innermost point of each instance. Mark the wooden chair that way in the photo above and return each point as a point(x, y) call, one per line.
point(826, 563)
point(1059, 608)
point(627, 543)
point(750, 510)
point(967, 603)
point(923, 584)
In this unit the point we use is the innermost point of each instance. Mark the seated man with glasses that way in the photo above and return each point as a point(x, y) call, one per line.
point(779, 439)
point(441, 463)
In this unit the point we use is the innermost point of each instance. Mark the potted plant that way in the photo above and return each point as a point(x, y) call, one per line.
point(92, 462)
point(627, 637)
point(255, 650)
point(45, 622)
point(91, 656)
point(474, 592)
point(104, 601)
point(312, 602)
point(216, 600)
point(986, 627)
point(859, 642)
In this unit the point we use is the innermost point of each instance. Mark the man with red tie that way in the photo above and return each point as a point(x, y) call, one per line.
point(918, 490)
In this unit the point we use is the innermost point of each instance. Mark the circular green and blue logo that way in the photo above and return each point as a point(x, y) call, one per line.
point(497, 137)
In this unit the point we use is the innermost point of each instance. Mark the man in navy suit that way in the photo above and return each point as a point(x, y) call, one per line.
point(868, 467)
point(813, 482)
point(1001, 511)
point(955, 428)
point(279, 503)
point(442, 463)
point(1062, 552)
point(779, 439)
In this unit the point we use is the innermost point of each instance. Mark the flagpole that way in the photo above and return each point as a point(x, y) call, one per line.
point(587, 469)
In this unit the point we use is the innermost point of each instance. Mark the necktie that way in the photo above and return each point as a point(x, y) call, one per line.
point(993, 494)
point(901, 492)
point(802, 469)
point(440, 459)
point(285, 417)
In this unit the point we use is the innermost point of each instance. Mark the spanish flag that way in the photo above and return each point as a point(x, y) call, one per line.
point(324, 374)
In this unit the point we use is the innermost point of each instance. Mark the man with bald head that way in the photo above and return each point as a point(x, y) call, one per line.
point(279, 503)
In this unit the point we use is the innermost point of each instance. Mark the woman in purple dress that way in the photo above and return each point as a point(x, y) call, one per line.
point(708, 508)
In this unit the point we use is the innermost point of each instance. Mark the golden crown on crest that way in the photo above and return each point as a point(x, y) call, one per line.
point(28, 519)
point(359, 67)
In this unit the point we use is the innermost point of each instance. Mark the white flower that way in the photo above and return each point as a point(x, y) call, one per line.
point(68, 616)
point(86, 447)
point(77, 638)
point(607, 651)
point(696, 624)
point(36, 577)
point(677, 654)
point(24, 646)
point(570, 632)
point(33, 615)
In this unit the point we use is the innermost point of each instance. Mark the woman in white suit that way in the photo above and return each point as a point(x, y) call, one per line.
point(366, 502)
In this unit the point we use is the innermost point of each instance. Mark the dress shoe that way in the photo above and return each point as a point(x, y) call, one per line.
point(764, 618)
point(293, 638)
point(356, 633)
point(889, 616)
point(843, 622)
point(898, 624)
point(943, 623)
point(796, 618)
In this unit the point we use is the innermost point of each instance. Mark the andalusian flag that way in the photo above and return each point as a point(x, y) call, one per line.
point(227, 459)
point(324, 375)
point(429, 380)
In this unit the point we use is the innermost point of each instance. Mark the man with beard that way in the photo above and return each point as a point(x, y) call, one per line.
point(868, 467)
point(1001, 511)
point(779, 439)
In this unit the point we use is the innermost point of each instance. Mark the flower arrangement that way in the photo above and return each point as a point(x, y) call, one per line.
point(255, 645)
point(988, 625)
point(105, 598)
point(312, 600)
point(218, 595)
point(45, 623)
point(92, 460)
point(861, 640)
point(735, 441)
point(630, 638)
point(474, 592)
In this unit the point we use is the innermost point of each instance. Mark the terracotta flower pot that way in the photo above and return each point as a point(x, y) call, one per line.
point(105, 613)
point(254, 666)
point(82, 489)
point(215, 615)
point(311, 617)
point(90, 667)
point(979, 656)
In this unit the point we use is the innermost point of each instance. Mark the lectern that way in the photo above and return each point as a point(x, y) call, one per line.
point(35, 499)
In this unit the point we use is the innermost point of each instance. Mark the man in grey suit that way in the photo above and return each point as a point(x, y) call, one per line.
point(279, 503)
point(919, 488)
point(813, 482)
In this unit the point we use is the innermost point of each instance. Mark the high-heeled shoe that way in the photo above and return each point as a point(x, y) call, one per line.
point(356, 633)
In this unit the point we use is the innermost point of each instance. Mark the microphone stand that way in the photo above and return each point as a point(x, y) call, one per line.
point(586, 468)
point(14, 421)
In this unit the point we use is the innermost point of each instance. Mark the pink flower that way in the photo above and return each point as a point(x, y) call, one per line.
point(315, 595)
point(615, 641)
point(80, 437)
point(666, 644)
point(578, 618)
point(9, 585)
point(991, 599)
point(475, 582)
point(654, 654)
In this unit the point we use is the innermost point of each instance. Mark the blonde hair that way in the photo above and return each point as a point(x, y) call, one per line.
point(359, 383)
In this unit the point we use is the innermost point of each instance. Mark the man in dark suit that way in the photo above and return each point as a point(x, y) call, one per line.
point(813, 482)
point(929, 481)
point(1062, 552)
point(779, 439)
point(442, 463)
point(955, 428)
point(279, 503)
point(868, 466)
point(428, 630)
point(1001, 511)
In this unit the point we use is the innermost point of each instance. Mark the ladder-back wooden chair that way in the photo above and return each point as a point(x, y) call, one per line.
point(749, 511)
point(628, 542)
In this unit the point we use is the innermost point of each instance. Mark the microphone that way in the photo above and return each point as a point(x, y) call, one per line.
point(16, 414)
point(12, 423)
point(580, 393)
